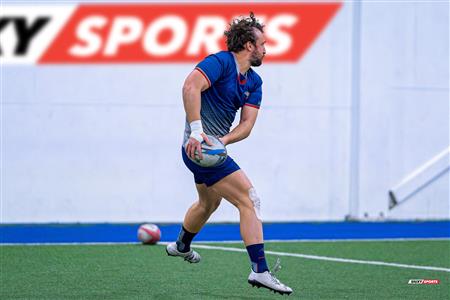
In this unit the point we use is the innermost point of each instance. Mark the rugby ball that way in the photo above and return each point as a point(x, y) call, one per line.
point(214, 155)
point(149, 234)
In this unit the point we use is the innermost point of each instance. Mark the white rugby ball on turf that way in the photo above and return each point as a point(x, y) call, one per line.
point(149, 234)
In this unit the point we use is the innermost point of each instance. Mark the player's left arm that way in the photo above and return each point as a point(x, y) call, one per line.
point(245, 126)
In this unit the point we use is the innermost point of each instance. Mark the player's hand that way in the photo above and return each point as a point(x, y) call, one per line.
point(194, 145)
point(206, 139)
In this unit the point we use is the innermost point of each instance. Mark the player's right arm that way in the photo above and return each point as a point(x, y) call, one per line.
point(193, 86)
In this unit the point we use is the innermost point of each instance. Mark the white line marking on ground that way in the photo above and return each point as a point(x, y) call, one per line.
point(315, 257)
point(336, 259)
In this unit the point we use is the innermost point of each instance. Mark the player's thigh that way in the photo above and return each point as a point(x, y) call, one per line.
point(235, 188)
point(207, 196)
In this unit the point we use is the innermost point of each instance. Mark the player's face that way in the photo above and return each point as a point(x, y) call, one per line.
point(259, 50)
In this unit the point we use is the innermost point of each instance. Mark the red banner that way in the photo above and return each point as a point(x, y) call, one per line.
point(174, 33)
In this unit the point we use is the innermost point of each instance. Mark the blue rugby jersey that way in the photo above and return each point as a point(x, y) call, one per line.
point(229, 90)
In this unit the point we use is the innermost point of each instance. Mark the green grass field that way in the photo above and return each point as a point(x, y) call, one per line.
point(146, 272)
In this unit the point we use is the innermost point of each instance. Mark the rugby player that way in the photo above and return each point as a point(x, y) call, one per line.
point(213, 92)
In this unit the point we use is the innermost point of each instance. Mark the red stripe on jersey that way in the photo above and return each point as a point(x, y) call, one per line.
point(204, 75)
point(252, 105)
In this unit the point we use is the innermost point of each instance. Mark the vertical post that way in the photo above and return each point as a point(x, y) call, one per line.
point(355, 112)
point(1, 132)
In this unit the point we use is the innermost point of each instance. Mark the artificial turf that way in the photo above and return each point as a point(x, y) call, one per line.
point(146, 272)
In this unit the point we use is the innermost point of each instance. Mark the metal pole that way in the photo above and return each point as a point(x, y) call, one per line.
point(355, 112)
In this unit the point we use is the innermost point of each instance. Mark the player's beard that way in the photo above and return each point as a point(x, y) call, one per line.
point(255, 60)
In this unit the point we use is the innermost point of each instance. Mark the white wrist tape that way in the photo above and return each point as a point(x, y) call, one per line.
point(196, 130)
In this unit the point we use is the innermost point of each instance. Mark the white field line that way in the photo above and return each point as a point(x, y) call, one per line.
point(326, 258)
point(230, 249)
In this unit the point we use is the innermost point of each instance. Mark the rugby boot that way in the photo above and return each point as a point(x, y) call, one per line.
point(190, 256)
point(269, 281)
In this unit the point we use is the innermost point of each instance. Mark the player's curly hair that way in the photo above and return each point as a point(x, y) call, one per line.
point(241, 31)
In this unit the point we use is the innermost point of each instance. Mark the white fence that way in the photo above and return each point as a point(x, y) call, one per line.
point(102, 143)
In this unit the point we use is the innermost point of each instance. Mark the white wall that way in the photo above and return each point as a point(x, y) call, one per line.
point(404, 104)
point(102, 143)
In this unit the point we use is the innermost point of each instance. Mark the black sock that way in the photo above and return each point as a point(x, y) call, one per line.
point(184, 240)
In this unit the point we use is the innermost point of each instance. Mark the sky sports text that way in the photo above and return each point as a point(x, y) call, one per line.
point(146, 33)
point(423, 281)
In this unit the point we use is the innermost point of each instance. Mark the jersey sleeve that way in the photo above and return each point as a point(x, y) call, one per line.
point(211, 68)
point(255, 97)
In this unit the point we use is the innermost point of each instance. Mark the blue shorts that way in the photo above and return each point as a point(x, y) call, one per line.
point(210, 175)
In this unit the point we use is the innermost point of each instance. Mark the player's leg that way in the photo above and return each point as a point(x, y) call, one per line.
point(200, 211)
point(195, 218)
point(197, 215)
point(238, 190)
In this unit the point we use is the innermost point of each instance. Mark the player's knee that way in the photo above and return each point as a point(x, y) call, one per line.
point(256, 202)
point(209, 205)
point(244, 203)
point(213, 206)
